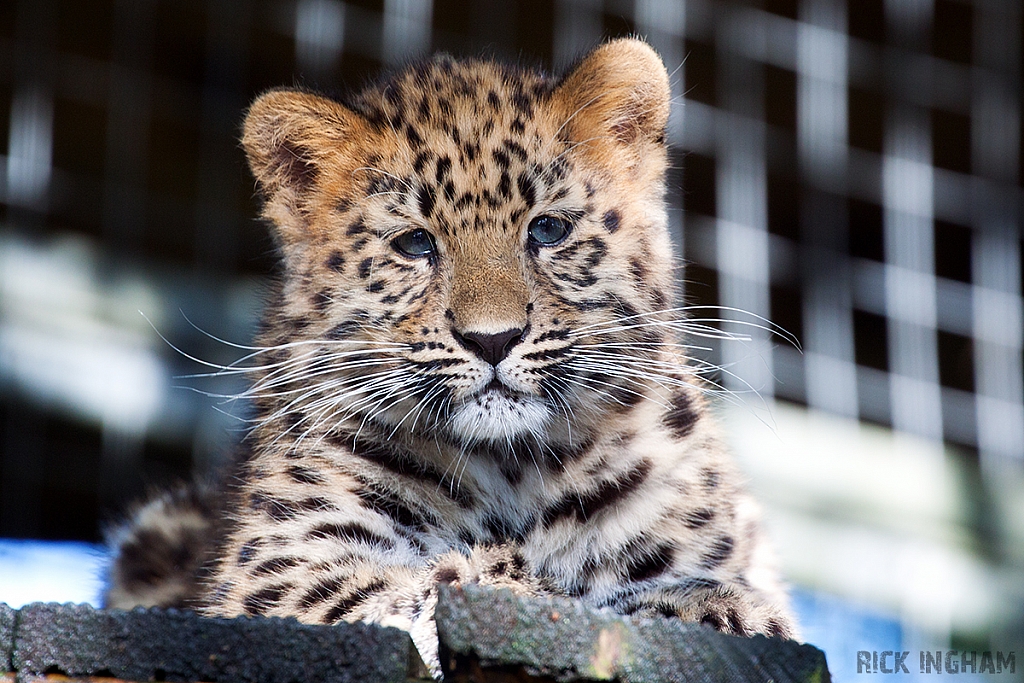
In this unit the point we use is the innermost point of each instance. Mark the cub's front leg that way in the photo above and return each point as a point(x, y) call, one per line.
point(351, 565)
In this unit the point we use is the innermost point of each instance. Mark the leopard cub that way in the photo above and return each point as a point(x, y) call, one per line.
point(471, 371)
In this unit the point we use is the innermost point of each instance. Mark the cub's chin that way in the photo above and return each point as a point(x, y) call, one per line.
point(498, 415)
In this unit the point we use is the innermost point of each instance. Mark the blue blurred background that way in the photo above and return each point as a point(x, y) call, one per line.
point(850, 169)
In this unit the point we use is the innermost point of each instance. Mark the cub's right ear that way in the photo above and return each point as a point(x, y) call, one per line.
point(293, 137)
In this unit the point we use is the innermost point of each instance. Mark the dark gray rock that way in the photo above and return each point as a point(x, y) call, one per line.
point(7, 616)
point(78, 640)
point(495, 635)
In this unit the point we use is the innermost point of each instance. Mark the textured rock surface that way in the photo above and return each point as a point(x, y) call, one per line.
point(495, 636)
point(78, 640)
point(486, 636)
point(6, 636)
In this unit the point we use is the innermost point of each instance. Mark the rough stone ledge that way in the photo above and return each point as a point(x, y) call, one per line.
point(487, 636)
point(495, 636)
point(80, 641)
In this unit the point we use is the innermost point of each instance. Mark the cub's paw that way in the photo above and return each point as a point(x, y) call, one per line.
point(727, 608)
point(501, 566)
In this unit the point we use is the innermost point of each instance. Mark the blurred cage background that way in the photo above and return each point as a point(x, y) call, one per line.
point(850, 170)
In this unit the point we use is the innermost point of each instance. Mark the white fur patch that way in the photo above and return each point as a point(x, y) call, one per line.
point(497, 416)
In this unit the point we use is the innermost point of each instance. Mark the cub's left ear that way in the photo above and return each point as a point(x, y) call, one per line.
point(619, 91)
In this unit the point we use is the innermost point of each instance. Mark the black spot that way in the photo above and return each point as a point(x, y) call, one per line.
point(695, 519)
point(718, 554)
point(778, 629)
point(445, 105)
point(316, 504)
point(387, 503)
point(425, 199)
point(710, 478)
point(364, 267)
point(321, 592)
point(611, 220)
point(522, 103)
point(502, 529)
point(264, 599)
point(518, 570)
point(598, 250)
point(646, 563)
point(659, 298)
point(415, 141)
point(358, 597)
point(512, 470)
point(275, 565)
point(660, 607)
point(444, 167)
point(305, 475)
point(516, 150)
point(321, 300)
point(421, 161)
point(553, 334)
point(357, 227)
point(681, 416)
point(343, 330)
point(502, 159)
point(446, 575)
point(405, 465)
point(623, 395)
point(638, 270)
point(736, 622)
point(526, 189)
point(714, 620)
point(548, 354)
point(585, 506)
point(351, 531)
point(564, 454)
point(277, 509)
point(336, 261)
point(375, 286)
point(505, 185)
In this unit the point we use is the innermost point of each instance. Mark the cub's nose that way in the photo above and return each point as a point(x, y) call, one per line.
point(493, 348)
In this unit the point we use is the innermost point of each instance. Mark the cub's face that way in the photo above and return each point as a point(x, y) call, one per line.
point(469, 248)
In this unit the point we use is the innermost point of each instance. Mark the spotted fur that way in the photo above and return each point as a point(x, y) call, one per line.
point(470, 372)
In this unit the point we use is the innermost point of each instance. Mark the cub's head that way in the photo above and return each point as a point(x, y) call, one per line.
point(470, 249)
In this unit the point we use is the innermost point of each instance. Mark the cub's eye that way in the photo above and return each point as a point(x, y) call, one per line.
point(547, 231)
point(415, 243)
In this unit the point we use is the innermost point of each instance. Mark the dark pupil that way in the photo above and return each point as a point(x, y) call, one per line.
point(415, 243)
point(547, 229)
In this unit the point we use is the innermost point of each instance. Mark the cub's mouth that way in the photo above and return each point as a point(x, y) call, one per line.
point(497, 412)
point(496, 386)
